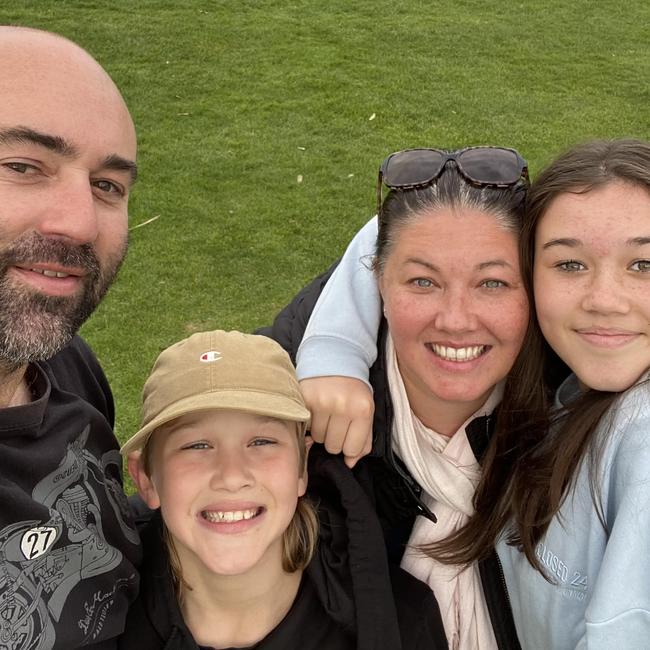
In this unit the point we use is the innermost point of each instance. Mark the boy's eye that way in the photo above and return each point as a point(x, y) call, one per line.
point(260, 442)
point(570, 266)
point(199, 444)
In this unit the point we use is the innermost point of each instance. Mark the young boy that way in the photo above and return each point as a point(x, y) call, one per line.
point(233, 553)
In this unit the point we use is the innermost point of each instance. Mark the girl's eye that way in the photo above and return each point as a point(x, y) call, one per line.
point(570, 266)
point(643, 266)
point(422, 283)
point(493, 284)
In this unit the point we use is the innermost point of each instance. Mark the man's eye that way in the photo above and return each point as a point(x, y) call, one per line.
point(109, 187)
point(643, 266)
point(19, 167)
point(570, 266)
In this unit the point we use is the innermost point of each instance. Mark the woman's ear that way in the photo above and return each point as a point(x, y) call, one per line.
point(145, 485)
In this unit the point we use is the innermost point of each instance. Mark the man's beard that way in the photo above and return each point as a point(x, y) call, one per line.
point(34, 325)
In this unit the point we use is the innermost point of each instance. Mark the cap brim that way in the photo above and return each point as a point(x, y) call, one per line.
point(254, 402)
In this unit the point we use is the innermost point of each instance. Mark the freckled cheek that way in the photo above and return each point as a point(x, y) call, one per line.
point(551, 306)
point(404, 314)
point(507, 319)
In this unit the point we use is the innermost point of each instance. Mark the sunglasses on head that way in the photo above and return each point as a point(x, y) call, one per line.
point(481, 166)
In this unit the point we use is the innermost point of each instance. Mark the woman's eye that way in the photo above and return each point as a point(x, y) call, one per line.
point(422, 283)
point(570, 266)
point(494, 284)
point(643, 266)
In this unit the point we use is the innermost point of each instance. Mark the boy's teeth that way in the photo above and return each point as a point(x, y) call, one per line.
point(219, 516)
point(458, 354)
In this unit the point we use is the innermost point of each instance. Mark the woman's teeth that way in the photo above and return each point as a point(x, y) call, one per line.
point(457, 354)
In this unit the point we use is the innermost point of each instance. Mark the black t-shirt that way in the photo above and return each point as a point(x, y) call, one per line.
point(68, 547)
point(306, 626)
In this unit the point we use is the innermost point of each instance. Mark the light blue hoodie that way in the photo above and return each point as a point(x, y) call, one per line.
point(600, 598)
point(341, 336)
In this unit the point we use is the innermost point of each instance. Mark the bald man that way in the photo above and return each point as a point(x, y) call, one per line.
point(68, 547)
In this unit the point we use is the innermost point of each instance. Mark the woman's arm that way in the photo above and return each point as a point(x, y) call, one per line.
point(337, 350)
point(341, 336)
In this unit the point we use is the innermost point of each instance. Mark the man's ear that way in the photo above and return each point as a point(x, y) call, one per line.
point(145, 485)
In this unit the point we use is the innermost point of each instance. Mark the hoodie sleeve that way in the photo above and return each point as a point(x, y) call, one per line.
point(341, 336)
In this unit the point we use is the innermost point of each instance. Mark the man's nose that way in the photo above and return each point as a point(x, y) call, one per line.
point(71, 214)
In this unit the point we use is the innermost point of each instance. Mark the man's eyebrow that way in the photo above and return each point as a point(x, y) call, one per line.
point(59, 145)
point(118, 163)
point(23, 134)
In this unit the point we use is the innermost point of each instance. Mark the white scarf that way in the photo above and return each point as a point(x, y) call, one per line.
point(448, 473)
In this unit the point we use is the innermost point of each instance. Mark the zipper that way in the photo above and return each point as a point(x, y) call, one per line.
point(508, 637)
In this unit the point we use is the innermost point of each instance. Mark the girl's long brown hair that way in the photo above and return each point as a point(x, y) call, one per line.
point(530, 466)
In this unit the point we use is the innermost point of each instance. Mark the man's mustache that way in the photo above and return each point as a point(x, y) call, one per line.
point(37, 249)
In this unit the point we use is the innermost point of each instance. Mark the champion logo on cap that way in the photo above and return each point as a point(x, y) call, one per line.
point(209, 357)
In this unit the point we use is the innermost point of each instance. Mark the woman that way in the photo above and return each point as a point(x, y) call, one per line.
point(233, 557)
point(574, 502)
point(455, 317)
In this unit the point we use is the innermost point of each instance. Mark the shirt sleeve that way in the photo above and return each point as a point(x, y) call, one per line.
point(341, 336)
point(618, 615)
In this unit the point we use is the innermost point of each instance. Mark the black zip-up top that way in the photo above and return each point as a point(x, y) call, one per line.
point(349, 599)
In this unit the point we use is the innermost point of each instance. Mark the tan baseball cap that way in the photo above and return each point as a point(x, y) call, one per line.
point(219, 370)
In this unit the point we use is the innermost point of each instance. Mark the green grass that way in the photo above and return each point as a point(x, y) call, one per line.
point(233, 100)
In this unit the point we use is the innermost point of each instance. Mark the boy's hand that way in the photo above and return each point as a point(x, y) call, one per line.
point(342, 410)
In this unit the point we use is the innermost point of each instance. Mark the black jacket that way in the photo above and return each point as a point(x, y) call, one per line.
point(394, 492)
point(349, 575)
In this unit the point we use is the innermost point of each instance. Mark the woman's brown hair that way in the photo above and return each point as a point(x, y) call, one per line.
point(534, 456)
